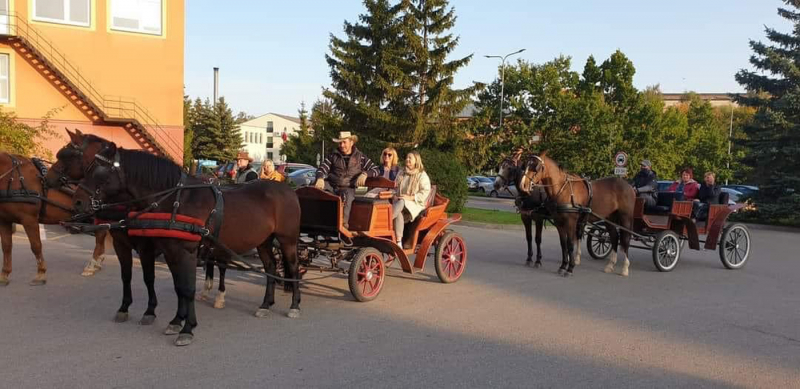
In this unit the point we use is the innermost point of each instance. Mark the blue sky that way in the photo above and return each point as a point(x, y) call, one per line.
point(271, 53)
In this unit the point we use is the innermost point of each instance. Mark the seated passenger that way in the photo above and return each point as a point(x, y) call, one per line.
point(645, 184)
point(269, 173)
point(411, 194)
point(687, 185)
point(708, 194)
point(388, 169)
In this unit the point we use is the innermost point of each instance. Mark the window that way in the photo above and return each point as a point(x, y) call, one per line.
point(74, 12)
point(5, 87)
point(269, 154)
point(260, 139)
point(269, 127)
point(269, 142)
point(142, 16)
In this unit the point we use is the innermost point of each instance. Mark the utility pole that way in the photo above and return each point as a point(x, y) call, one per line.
point(503, 78)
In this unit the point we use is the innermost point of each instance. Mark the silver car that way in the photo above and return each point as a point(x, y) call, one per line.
point(302, 177)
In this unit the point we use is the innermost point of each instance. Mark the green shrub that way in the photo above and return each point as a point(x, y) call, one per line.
point(783, 211)
point(449, 176)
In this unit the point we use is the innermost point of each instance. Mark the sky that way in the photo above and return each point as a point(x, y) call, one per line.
point(271, 54)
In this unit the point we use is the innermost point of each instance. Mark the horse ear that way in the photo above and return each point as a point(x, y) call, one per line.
point(73, 136)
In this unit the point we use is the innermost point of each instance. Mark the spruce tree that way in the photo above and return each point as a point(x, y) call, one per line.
point(773, 137)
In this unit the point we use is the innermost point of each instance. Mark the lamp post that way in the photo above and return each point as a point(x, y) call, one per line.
point(503, 78)
point(730, 140)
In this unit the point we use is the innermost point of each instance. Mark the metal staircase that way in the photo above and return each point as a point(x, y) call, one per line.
point(68, 79)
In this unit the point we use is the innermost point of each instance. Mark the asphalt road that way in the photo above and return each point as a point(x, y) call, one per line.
point(502, 325)
point(500, 204)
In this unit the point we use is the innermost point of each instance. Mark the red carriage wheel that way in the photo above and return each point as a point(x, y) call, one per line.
point(451, 257)
point(367, 274)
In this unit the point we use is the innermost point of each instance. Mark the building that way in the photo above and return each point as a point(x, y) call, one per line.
point(263, 136)
point(113, 68)
point(716, 99)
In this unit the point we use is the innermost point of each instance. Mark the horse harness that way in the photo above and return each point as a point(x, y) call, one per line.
point(23, 194)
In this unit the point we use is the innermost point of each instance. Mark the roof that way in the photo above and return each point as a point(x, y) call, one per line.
point(702, 96)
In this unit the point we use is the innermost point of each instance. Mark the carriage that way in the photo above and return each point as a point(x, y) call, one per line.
point(667, 227)
point(369, 242)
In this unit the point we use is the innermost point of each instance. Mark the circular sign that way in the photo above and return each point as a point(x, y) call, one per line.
point(621, 159)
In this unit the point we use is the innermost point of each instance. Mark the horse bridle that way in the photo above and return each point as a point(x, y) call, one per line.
point(112, 163)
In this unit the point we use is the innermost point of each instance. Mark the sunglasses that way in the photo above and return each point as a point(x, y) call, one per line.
point(387, 154)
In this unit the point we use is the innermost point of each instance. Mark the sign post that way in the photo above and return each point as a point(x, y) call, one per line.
point(620, 162)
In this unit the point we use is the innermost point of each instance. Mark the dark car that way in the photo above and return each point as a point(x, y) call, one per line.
point(747, 190)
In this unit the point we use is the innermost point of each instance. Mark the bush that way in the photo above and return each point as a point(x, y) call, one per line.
point(449, 176)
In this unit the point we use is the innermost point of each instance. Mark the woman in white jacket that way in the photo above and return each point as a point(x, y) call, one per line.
point(411, 195)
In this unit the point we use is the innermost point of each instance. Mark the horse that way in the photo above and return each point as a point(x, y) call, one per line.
point(25, 199)
point(111, 173)
point(531, 204)
point(579, 201)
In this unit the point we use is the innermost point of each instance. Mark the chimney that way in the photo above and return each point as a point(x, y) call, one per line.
point(216, 84)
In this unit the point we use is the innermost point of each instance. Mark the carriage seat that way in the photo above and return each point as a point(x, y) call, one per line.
point(664, 202)
point(429, 203)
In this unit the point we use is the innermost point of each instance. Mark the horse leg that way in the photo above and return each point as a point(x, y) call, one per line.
point(203, 296)
point(613, 236)
point(625, 241)
point(96, 263)
point(219, 301)
point(32, 230)
point(526, 221)
point(147, 257)
point(183, 266)
point(572, 239)
point(124, 252)
point(268, 260)
point(291, 267)
point(5, 236)
point(562, 235)
point(539, 227)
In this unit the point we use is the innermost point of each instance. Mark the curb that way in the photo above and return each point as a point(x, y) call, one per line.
point(490, 226)
point(492, 199)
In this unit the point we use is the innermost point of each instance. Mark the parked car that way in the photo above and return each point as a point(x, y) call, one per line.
point(472, 184)
point(747, 190)
point(302, 177)
point(663, 185)
point(733, 195)
point(485, 184)
point(289, 168)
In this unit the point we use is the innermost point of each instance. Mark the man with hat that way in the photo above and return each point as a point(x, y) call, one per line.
point(245, 172)
point(645, 184)
point(343, 170)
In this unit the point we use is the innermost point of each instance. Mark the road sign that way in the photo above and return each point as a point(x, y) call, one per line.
point(620, 171)
point(621, 159)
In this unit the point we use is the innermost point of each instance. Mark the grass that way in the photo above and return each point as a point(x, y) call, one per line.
point(490, 216)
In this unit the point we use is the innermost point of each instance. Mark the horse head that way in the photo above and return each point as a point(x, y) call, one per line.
point(534, 171)
point(508, 170)
point(77, 158)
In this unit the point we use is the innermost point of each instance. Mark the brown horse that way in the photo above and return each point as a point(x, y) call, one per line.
point(254, 215)
point(26, 200)
point(611, 198)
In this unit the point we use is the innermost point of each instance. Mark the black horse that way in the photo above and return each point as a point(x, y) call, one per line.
point(531, 204)
point(253, 216)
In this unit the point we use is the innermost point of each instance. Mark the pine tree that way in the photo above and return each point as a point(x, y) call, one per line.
point(188, 131)
point(773, 137)
point(216, 136)
point(300, 146)
point(366, 72)
point(426, 25)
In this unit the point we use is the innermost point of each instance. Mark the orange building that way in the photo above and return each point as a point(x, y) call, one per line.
point(113, 68)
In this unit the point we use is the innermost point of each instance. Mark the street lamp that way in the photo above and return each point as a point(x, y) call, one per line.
point(503, 78)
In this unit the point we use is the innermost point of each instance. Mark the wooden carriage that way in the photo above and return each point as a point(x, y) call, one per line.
point(666, 228)
point(369, 242)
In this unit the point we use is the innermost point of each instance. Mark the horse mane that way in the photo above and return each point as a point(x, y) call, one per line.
point(148, 170)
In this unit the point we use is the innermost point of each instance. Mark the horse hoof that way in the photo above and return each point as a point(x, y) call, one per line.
point(608, 270)
point(147, 320)
point(4, 281)
point(219, 304)
point(537, 265)
point(37, 282)
point(121, 317)
point(173, 329)
point(293, 314)
point(88, 273)
point(201, 297)
point(624, 273)
point(184, 340)
point(567, 274)
point(261, 312)
point(561, 271)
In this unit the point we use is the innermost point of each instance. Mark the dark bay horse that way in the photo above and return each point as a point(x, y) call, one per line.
point(25, 200)
point(254, 214)
point(531, 204)
point(611, 198)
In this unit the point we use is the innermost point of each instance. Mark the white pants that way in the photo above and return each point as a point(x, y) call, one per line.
point(399, 220)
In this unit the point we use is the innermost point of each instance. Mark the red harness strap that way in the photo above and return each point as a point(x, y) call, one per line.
point(166, 233)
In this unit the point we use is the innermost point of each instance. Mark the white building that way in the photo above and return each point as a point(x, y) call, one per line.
point(263, 136)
